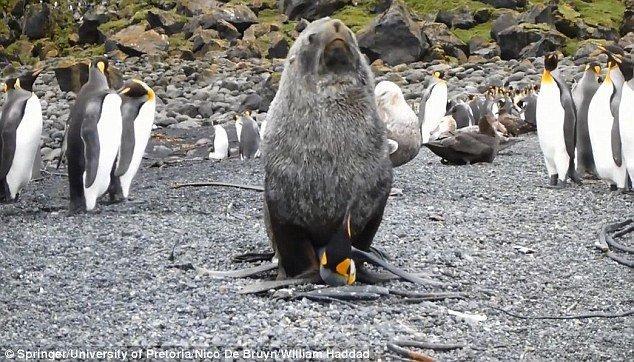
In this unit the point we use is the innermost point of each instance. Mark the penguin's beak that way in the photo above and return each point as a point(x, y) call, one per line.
point(123, 90)
point(102, 67)
point(597, 69)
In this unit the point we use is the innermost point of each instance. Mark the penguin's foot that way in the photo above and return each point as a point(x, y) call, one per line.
point(613, 187)
point(553, 180)
point(116, 198)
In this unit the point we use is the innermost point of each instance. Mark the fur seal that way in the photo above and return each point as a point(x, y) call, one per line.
point(326, 157)
point(401, 122)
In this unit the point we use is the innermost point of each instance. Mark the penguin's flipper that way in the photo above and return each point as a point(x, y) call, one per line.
point(616, 129)
point(91, 156)
point(129, 112)
point(8, 149)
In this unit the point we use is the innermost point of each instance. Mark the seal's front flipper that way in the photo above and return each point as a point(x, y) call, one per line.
point(240, 273)
point(253, 257)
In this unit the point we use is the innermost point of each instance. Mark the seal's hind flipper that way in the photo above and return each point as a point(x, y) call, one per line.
point(240, 273)
point(374, 260)
point(253, 257)
point(264, 286)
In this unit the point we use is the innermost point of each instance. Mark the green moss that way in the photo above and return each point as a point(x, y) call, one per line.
point(424, 7)
point(113, 26)
point(572, 45)
point(87, 52)
point(355, 17)
point(178, 41)
point(600, 12)
point(481, 30)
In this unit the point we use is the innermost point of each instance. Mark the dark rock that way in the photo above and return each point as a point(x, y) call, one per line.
point(509, 4)
point(439, 35)
point(310, 9)
point(540, 13)
point(136, 41)
point(196, 7)
point(89, 32)
point(243, 50)
point(170, 22)
point(267, 90)
point(460, 18)
point(37, 22)
point(251, 102)
point(513, 40)
point(506, 20)
point(225, 29)
point(301, 25)
point(278, 47)
point(627, 25)
point(543, 47)
point(205, 40)
point(239, 16)
point(627, 42)
point(393, 37)
point(482, 15)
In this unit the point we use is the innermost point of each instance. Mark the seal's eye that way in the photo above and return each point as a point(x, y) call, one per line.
point(311, 38)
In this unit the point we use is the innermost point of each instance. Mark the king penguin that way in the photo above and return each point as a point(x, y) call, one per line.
point(138, 110)
point(248, 136)
point(556, 120)
point(603, 127)
point(20, 131)
point(626, 117)
point(94, 137)
point(582, 95)
point(433, 106)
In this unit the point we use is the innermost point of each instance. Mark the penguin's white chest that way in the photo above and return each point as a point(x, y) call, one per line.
point(435, 109)
point(600, 123)
point(26, 146)
point(142, 131)
point(109, 130)
point(550, 116)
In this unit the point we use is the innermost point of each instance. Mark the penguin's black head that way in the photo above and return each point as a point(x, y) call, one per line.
point(137, 89)
point(627, 69)
point(9, 84)
point(550, 62)
point(594, 67)
point(439, 74)
point(100, 63)
point(336, 267)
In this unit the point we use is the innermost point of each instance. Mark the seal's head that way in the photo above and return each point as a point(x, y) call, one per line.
point(327, 54)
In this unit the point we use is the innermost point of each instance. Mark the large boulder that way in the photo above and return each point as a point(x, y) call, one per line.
point(504, 21)
point(170, 22)
point(513, 40)
point(540, 13)
point(278, 47)
point(37, 22)
point(310, 9)
point(196, 7)
point(440, 35)
point(136, 41)
point(239, 16)
point(393, 37)
point(89, 32)
point(509, 4)
point(461, 18)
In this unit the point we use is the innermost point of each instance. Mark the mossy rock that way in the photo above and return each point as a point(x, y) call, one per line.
point(21, 51)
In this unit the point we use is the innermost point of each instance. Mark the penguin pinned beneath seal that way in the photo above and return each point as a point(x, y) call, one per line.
point(556, 120)
point(138, 110)
point(20, 131)
point(582, 95)
point(433, 106)
point(315, 164)
point(603, 127)
point(403, 132)
point(93, 140)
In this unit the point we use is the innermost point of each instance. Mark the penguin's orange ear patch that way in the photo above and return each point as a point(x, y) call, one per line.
point(547, 77)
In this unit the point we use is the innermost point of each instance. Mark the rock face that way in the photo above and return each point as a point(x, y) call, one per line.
point(461, 18)
point(537, 39)
point(196, 7)
point(393, 37)
point(170, 22)
point(506, 20)
point(136, 41)
point(37, 21)
point(89, 32)
point(439, 35)
point(310, 9)
point(627, 26)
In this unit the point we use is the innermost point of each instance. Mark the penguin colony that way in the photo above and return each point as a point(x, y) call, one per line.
point(326, 88)
point(107, 134)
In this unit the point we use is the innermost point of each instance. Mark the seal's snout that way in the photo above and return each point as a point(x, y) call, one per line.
point(338, 55)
